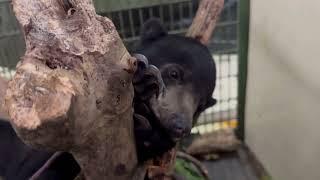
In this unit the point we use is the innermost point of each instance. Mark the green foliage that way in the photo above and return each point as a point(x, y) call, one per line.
point(266, 178)
point(188, 170)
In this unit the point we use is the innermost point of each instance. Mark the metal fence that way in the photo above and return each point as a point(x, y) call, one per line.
point(177, 16)
point(11, 41)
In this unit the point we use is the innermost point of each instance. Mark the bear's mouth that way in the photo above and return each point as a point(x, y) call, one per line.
point(171, 124)
point(171, 129)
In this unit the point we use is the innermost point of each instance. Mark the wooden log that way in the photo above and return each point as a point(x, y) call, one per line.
point(72, 90)
point(205, 20)
point(223, 140)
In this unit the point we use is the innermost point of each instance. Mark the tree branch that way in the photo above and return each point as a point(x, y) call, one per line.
point(72, 90)
point(205, 20)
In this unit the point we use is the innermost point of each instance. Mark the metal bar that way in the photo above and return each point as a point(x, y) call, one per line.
point(181, 14)
point(181, 31)
point(202, 121)
point(161, 13)
point(2, 62)
point(220, 87)
point(228, 11)
point(171, 16)
point(6, 59)
point(226, 77)
point(190, 7)
point(14, 33)
point(120, 5)
point(227, 23)
point(229, 86)
point(243, 28)
point(141, 17)
point(5, 1)
point(150, 12)
point(131, 23)
point(122, 31)
point(205, 119)
point(14, 23)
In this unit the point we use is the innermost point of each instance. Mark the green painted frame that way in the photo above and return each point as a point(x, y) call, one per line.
point(118, 5)
point(243, 30)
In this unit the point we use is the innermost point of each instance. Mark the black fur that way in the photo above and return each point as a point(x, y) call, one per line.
point(19, 162)
point(197, 71)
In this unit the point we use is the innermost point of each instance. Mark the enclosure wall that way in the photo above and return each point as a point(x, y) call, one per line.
point(283, 90)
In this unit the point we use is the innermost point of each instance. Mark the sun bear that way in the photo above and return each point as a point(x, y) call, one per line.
point(189, 75)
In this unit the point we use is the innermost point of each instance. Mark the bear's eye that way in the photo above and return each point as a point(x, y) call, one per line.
point(174, 74)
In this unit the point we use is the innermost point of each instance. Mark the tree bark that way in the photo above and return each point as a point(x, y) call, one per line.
point(72, 90)
point(205, 20)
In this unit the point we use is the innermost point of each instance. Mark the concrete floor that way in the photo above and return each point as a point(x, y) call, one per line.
point(238, 165)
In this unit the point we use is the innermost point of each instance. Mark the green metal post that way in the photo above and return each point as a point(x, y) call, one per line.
point(244, 15)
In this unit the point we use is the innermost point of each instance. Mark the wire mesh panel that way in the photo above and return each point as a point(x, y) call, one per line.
point(176, 15)
point(11, 41)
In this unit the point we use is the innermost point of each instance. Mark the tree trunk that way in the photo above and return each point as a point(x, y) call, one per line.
point(72, 90)
point(205, 20)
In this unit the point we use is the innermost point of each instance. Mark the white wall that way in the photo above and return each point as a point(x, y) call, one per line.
point(283, 95)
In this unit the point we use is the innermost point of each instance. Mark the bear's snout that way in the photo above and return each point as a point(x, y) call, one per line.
point(180, 126)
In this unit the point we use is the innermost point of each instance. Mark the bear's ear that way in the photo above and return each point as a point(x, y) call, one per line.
point(210, 102)
point(152, 30)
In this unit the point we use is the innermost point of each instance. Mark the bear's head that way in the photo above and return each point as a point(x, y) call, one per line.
point(188, 72)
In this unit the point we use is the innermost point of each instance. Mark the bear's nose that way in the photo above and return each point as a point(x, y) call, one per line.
point(180, 127)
